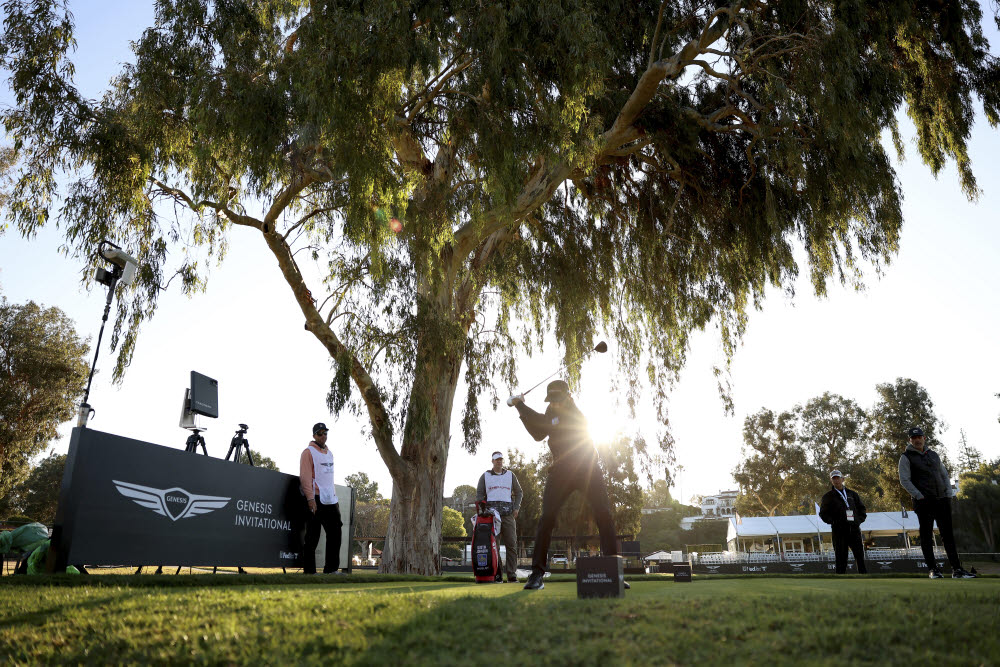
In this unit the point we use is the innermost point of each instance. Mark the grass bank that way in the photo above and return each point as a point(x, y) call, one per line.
point(342, 620)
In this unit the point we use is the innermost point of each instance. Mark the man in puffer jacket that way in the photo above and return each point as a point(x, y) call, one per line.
point(927, 481)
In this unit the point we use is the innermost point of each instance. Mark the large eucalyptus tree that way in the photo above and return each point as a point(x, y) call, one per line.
point(635, 168)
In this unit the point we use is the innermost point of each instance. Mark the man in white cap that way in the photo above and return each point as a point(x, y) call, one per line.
point(499, 489)
point(843, 510)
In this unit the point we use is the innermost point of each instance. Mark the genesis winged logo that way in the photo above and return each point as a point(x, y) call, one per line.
point(175, 503)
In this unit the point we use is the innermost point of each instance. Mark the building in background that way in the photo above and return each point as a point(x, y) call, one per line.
point(719, 506)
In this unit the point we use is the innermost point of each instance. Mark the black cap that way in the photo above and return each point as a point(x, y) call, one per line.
point(915, 432)
point(556, 390)
point(317, 428)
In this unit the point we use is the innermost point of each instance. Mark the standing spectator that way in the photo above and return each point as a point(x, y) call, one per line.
point(316, 483)
point(843, 510)
point(499, 489)
point(927, 481)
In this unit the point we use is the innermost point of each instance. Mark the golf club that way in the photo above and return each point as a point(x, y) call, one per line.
point(601, 347)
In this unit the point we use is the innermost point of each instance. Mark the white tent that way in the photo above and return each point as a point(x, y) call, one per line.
point(658, 557)
point(755, 530)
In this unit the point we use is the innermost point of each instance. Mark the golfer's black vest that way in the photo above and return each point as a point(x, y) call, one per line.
point(924, 473)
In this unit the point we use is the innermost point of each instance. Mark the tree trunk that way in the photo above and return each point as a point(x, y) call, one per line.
point(413, 540)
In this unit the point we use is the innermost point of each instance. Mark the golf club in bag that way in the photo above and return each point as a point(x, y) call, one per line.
point(601, 347)
point(485, 551)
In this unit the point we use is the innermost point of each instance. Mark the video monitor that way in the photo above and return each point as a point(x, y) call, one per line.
point(204, 395)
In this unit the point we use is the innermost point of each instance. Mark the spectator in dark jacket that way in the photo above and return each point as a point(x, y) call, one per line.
point(926, 479)
point(843, 510)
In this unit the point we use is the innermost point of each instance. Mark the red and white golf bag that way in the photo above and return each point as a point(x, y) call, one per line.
point(485, 551)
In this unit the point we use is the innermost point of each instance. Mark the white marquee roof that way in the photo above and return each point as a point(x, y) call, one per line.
point(885, 523)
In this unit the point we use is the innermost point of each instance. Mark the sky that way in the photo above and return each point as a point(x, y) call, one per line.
point(932, 317)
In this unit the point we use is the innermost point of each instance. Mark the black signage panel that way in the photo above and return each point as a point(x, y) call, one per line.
point(682, 572)
point(600, 577)
point(129, 502)
point(812, 567)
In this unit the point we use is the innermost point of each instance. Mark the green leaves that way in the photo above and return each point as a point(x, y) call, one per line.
point(43, 372)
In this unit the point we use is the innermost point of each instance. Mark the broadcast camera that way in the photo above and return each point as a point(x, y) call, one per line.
point(125, 265)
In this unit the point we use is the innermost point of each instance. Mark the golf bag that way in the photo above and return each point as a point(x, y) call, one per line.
point(485, 551)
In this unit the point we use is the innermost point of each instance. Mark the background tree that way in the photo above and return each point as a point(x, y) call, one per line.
point(37, 495)
point(617, 458)
point(662, 529)
point(262, 461)
point(452, 525)
point(977, 519)
point(833, 430)
point(900, 406)
point(372, 518)
point(531, 487)
point(969, 458)
point(43, 372)
point(464, 499)
point(365, 490)
point(658, 495)
point(775, 474)
point(512, 159)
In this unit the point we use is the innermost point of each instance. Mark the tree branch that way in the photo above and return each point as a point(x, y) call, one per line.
point(381, 424)
point(231, 215)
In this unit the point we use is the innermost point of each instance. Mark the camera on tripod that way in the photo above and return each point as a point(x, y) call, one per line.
point(240, 446)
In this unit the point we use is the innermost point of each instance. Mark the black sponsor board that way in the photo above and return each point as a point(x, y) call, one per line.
point(682, 572)
point(128, 502)
point(600, 577)
point(811, 567)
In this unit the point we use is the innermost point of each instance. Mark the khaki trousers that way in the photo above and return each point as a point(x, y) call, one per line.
point(508, 537)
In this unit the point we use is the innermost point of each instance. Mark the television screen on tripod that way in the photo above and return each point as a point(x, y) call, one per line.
point(204, 395)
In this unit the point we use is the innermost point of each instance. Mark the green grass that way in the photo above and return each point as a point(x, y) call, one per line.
point(450, 621)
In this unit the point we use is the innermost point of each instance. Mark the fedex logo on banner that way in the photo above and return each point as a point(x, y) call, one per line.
point(175, 503)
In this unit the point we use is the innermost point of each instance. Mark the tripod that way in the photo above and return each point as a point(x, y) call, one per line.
point(239, 446)
point(195, 439)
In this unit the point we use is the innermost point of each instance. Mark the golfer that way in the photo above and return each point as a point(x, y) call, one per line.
point(843, 510)
point(499, 489)
point(574, 467)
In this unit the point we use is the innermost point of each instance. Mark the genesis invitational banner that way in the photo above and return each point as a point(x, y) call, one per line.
point(127, 502)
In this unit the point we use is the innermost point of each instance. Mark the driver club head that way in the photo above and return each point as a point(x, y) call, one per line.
point(601, 347)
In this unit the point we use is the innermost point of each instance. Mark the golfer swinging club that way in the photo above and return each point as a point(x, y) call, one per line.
point(574, 466)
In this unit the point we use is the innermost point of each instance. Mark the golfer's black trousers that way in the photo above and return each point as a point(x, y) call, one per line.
point(928, 511)
point(327, 517)
point(844, 537)
point(578, 471)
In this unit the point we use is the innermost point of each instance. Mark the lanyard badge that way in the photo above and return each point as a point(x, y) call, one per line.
point(850, 512)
